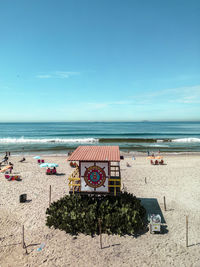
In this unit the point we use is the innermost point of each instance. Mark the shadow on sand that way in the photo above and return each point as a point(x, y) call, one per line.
point(192, 245)
point(152, 207)
point(103, 247)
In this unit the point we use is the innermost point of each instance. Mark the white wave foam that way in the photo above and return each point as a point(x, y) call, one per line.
point(23, 140)
point(187, 140)
point(157, 145)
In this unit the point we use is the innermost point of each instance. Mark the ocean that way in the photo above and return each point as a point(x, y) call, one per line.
point(62, 137)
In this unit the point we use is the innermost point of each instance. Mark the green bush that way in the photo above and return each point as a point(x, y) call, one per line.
point(122, 214)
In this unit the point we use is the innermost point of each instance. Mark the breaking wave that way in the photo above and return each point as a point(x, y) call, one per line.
point(23, 140)
point(157, 145)
point(187, 140)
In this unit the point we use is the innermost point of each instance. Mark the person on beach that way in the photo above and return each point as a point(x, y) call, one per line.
point(11, 168)
point(5, 159)
point(48, 171)
point(22, 160)
point(54, 170)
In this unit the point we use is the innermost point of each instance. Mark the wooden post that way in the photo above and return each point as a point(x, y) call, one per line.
point(115, 189)
point(145, 180)
point(23, 244)
point(99, 221)
point(186, 231)
point(49, 195)
point(164, 204)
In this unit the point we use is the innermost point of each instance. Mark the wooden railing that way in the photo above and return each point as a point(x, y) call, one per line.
point(74, 181)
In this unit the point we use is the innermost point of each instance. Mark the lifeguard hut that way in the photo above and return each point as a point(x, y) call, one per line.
point(97, 170)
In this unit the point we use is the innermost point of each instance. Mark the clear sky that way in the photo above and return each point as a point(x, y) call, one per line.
point(99, 60)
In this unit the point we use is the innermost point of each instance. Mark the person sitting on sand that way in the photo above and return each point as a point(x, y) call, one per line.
point(5, 160)
point(22, 160)
point(48, 171)
point(53, 171)
point(161, 162)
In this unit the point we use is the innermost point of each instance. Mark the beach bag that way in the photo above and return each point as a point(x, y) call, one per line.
point(22, 198)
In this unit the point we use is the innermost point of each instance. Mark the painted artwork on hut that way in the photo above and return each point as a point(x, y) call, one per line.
point(94, 176)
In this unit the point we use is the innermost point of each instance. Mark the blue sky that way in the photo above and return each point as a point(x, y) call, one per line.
point(99, 60)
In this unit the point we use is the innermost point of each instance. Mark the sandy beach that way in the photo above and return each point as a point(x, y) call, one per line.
point(178, 181)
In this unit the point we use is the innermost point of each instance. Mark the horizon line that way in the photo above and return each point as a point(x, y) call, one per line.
point(104, 121)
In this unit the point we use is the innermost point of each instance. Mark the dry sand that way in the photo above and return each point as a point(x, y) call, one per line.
point(178, 181)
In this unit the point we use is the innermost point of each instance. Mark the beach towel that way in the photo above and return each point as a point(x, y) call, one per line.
point(6, 168)
point(13, 177)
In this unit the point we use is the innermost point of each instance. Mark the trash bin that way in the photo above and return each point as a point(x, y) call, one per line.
point(22, 198)
point(155, 223)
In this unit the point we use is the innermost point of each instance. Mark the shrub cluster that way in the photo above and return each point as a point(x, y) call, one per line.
point(122, 214)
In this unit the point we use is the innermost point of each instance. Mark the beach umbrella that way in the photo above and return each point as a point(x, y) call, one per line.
point(52, 165)
point(159, 157)
point(36, 157)
point(44, 165)
point(151, 157)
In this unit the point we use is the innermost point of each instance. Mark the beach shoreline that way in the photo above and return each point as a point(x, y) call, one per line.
point(122, 152)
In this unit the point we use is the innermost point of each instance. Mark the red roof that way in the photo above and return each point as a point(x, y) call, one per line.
point(95, 153)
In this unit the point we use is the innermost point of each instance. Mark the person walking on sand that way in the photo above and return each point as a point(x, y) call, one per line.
point(11, 168)
point(6, 159)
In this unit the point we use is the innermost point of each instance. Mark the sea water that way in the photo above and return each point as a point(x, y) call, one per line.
point(61, 137)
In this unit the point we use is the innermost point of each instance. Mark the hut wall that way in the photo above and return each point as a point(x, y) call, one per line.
point(84, 186)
